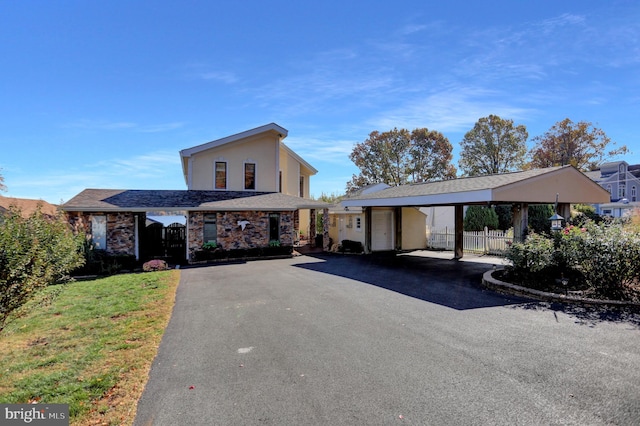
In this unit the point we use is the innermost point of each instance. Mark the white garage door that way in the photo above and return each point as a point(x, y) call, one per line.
point(381, 230)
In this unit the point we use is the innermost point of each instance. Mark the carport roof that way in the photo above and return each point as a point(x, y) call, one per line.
point(114, 200)
point(530, 186)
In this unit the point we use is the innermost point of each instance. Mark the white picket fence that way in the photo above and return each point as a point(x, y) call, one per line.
point(484, 242)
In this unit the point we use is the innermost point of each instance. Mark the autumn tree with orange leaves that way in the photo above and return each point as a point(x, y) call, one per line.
point(579, 144)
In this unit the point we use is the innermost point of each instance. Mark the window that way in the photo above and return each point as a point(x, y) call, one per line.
point(622, 190)
point(633, 193)
point(221, 175)
point(302, 186)
point(99, 232)
point(249, 175)
point(280, 182)
point(609, 188)
point(274, 227)
point(210, 229)
point(358, 224)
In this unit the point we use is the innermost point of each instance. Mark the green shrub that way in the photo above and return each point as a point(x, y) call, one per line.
point(34, 252)
point(478, 217)
point(539, 215)
point(531, 260)
point(100, 262)
point(603, 258)
point(611, 259)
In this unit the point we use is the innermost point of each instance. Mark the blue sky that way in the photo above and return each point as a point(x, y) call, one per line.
point(105, 94)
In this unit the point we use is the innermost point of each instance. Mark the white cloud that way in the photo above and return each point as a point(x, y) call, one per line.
point(148, 171)
point(451, 110)
point(123, 125)
point(222, 76)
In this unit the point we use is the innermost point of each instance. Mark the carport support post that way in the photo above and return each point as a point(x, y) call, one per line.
point(564, 210)
point(520, 221)
point(458, 245)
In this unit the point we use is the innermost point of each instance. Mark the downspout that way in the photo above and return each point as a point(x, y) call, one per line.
point(136, 236)
point(190, 173)
point(277, 177)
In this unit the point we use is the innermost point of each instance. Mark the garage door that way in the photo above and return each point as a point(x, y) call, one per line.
point(381, 230)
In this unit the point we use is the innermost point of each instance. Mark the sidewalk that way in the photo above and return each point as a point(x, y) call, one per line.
point(468, 257)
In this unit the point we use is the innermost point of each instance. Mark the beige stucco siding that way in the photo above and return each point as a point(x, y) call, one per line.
point(305, 217)
point(344, 226)
point(571, 186)
point(290, 174)
point(414, 229)
point(260, 150)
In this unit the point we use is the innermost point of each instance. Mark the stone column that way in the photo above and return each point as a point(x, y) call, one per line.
point(325, 230)
point(312, 226)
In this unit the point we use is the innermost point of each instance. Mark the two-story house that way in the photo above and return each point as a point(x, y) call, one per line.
point(622, 181)
point(244, 191)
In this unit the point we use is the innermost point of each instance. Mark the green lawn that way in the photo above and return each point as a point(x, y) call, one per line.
point(88, 344)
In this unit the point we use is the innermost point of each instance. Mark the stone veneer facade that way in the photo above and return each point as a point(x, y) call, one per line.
point(231, 236)
point(121, 229)
point(121, 237)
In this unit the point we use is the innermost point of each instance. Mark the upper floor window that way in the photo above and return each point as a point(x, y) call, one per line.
point(609, 188)
point(249, 175)
point(302, 186)
point(221, 175)
point(633, 193)
point(280, 182)
point(622, 190)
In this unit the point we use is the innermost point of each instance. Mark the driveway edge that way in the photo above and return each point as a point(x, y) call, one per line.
point(503, 287)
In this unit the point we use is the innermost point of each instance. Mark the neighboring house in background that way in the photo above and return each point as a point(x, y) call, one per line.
point(350, 223)
point(244, 191)
point(622, 181)
point(28, 206)
point(166, 220)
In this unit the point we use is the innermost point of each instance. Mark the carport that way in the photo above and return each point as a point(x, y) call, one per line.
point(519, 189)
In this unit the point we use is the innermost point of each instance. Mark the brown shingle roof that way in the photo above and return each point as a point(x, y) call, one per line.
point(466, 184)
point(28, 206)
point(143, 200)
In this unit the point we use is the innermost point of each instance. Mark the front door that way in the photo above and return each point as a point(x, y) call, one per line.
point(381, 230)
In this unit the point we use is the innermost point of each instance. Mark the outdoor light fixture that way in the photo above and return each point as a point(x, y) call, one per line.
point(556, 222)
point(556, 219)
point(565, 284)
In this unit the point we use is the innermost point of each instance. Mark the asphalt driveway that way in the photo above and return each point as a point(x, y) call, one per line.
point(362, 340)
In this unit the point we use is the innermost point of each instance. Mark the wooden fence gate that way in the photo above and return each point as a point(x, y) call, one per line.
point(166, 242)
